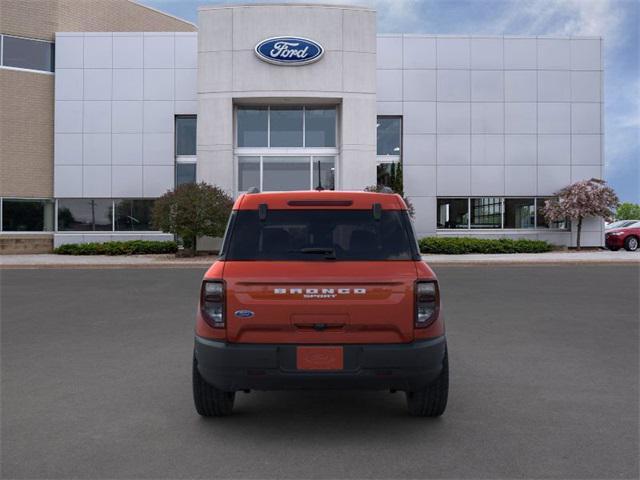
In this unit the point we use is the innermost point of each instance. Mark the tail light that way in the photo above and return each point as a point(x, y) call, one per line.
point(427, 303)
point(212, 302)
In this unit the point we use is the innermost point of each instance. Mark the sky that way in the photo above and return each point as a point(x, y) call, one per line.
point(617, 21)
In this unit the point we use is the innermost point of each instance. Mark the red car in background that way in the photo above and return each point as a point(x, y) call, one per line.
point(626, 237)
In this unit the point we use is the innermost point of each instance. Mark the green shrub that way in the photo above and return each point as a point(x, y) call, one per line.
point(132, 247)
point(461, 245)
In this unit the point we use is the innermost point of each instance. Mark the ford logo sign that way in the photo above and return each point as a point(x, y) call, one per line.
point(244, 313)
point(289, 51)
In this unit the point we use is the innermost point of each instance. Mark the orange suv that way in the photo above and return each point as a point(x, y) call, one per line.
point(320, 290)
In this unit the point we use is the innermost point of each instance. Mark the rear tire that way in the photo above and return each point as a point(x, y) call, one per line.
point(210, 401)
point(432, 401)
point(631, 244)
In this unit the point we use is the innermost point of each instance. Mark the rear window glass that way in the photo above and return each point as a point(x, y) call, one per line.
point(320, 235)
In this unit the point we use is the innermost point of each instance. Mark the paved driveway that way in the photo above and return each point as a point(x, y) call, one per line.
point(96, 384)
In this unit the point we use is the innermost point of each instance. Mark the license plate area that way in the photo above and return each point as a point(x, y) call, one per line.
point(319, 358)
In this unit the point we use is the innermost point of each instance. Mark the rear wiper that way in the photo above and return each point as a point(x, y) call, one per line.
point(329, 253)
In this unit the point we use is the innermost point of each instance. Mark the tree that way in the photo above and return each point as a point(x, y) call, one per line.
point(381, 189)
point(193, 210)
point(628, 211)
point(586, 198)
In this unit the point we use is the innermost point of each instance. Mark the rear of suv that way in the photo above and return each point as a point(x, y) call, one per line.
point(320, 290)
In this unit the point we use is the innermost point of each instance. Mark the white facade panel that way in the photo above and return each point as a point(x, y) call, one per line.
point(453, 117)
point(454, 149)
point(487, 149)
point(419, 52)
point(68, 149)
point(128, 84)
point(487, 180)
point(96, 149)
point(126, 148)
point(554, 118)
point(96, 116)
point(69, 51)
point(586, 54)
point(453, 52)
point(110, 130)
point(554, 54)
point(96, 181)
point(487, 85)
point(554, 149)
point(127, 51)
point(520, 53)
point(454, 86)
point(585, 118)
point(97, 85)
point(98, 52)
point(487, 117)
point(158, 51)
point(487, 53)
point(520, 85)
point(158, 84)
point(69, 84)
point(586, 150)
point(419, 85)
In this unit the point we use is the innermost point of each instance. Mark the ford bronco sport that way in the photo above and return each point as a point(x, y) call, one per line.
point(323, 290)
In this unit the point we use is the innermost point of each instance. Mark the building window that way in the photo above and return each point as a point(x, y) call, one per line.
point(27, 215)
point(186, 140)
point(320, 127)
point(285, 173)
point(389, 136)
point(286, 147)
point(453, 213)
point(253, 126)
point(486, 212)
point(26, 53)
point(323, 172)
point(186, 135)
point(185, 173)
point(286, 127)
point(133, 215)
point(389, 152)
point(97, 215)
point(542, 222)
point(494, 213)
point(519, 213)
point(85, 215)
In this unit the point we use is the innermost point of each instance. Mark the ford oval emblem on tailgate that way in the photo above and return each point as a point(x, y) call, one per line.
point(244, 313)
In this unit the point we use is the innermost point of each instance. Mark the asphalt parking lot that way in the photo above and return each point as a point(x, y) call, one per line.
point(544, 363)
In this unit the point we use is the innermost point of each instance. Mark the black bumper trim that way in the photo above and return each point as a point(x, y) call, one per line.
point(234, 366)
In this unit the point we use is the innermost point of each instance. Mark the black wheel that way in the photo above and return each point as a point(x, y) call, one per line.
point(631, 244)
point(210, 402)
point(432, 401)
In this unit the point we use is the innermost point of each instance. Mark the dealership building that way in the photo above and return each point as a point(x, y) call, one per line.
point(107, 105)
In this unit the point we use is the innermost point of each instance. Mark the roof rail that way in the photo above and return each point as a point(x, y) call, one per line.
point(253, 190)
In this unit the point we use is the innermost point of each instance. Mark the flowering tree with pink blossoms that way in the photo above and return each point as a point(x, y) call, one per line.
point(586, 198)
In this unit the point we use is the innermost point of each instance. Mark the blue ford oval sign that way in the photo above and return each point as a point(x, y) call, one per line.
point(244, 313)
point(289, 51)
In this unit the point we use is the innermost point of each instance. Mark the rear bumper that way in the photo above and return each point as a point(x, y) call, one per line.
point(232, 367)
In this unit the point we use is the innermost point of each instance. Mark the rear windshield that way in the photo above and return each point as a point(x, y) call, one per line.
point(320, 235)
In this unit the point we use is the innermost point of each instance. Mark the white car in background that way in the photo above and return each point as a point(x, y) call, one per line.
point(621, 224)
